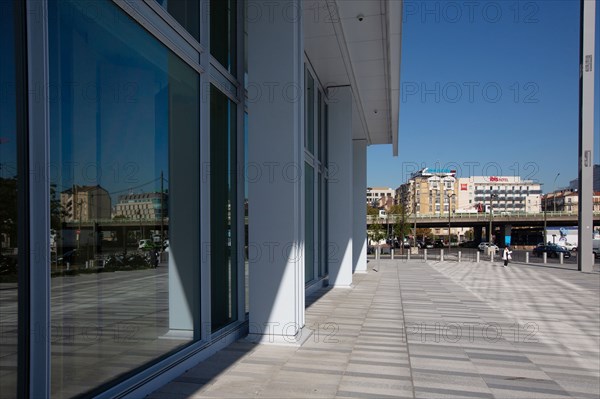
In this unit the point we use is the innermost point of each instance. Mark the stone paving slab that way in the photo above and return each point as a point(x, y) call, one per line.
point(426, 330)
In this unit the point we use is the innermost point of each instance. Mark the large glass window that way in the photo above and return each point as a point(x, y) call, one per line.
point(309, 224)
point(123, 146)
point(309, 129)
point(223, 33)
point(223, 192)
point(186, 12)
point(8, 206)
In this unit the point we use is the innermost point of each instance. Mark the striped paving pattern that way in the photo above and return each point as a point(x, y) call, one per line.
point(425, 330)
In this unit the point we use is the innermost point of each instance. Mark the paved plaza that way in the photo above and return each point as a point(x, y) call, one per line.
point(411, 329)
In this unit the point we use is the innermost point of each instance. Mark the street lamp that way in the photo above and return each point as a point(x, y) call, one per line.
point(449, 210)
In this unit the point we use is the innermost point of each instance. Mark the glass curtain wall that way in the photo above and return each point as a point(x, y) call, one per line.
point(9, 286)
point(119, 101)
point(223, 33)
point(223, 194)
point(315, 179)
point(186, 12)
point(226, 263)
point(309, 176)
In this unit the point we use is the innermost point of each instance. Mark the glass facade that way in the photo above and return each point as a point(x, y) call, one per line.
point(9, 220)
point(315, 195)
point(117, 109)
point(186, 12)
point(223, 194)
point(127, 148)
point(309, 223)
point(223, 33)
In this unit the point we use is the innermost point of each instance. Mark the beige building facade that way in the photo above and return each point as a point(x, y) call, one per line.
point(85, 203)
point(429, 192)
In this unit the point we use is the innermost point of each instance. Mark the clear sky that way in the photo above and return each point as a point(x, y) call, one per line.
point(489, 88)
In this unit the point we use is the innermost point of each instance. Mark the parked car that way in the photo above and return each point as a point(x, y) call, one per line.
point(568, 246)
point(468, 244)
point(439, 244)
point(552, 250)
point(70, 257)
point(484, 247)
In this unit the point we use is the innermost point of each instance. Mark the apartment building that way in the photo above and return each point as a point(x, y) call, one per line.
point(149, 206)
point(85, 203)
point(377, 195)
point(429, 192)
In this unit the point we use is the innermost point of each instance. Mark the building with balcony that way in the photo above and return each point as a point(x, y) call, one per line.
point(429, 192)
point(376, 194)
point(507, 194)
point(85, 203)
point(148, 206)
point(566, 201)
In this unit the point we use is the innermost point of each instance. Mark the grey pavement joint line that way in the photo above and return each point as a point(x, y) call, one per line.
point(410, 367)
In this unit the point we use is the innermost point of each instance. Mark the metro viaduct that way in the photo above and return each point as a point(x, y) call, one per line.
point(480, 221)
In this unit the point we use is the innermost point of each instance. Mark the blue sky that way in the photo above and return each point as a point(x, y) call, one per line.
point(488, 86)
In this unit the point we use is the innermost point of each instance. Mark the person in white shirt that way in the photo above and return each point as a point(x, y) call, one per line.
point(506, 255)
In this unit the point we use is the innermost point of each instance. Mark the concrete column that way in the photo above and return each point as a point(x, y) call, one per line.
point(477, 234)
point(359, 239)
point(500, 236)
point(340, 208)
point(585, 257)
point(275, 149)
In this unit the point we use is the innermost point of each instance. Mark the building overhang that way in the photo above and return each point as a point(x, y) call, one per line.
point(358, 43)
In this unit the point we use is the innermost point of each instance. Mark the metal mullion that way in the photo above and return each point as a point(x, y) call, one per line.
point(139, 14)
point(38, 221)
point(227, 75)
point(173, 23)
point(240, 171)
point(204, 329)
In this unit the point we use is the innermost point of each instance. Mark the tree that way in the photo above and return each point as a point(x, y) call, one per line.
point(371, 211)
point(423, 233)
point(401, 227)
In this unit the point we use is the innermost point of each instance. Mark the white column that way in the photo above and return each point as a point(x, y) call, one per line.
point(585, 259)
point(275, 165)
point(341, 226)
point(359, 242)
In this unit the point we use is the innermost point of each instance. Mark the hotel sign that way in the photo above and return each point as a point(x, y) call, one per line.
point(498, 179)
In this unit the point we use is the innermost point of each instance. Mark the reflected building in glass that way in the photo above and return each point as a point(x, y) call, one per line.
point(177, 175)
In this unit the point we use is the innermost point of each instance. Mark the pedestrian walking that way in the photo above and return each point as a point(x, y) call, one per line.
point(506, 255)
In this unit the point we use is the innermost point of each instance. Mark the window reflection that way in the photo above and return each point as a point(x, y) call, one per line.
point(223, 33)
point(8, 207)
point(309, 225)
point(117, 101)
point(186, 12)
point(223, 194)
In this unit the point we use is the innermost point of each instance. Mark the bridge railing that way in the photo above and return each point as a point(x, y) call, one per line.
point(486, 216)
